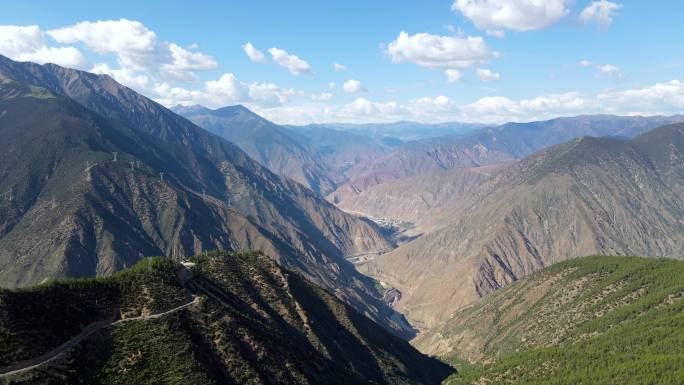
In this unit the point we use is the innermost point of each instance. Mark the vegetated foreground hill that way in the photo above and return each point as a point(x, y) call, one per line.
point(586, 197)
point(281, 150)
point(254, 323)
point(485, 146)
point(593, 320)
point(94, 176)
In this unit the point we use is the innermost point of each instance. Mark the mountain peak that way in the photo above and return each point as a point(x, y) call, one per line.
point(237, 111)
point(187, 110)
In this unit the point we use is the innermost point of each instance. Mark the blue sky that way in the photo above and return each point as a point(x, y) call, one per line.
point(507, 60)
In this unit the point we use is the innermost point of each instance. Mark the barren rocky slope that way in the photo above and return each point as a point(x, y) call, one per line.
point(586, 197)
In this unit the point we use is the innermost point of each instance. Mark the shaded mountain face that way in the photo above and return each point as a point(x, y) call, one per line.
point(483, 147)
point(591, 320)
point(279, 149)
point(586, 197)
point(95, 176)
point(250, 322)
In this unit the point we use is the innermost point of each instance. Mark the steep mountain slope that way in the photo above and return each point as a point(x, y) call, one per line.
point(586, 197)
point(275, 147)
point(594, 320)
point(252, 322)
point(485, 146)
point(69, 209)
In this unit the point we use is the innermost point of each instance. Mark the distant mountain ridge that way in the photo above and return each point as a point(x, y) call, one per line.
point(275, 147)
point(404, 130)
point(482, 147)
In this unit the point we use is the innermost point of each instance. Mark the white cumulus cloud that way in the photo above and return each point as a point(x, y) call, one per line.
point(254, 54)
point(495, 16)
point(339, 67)
point(322, 97)
point(136, 48)
point(293, 63)
point(353, 86)
point(610, 70)
point(434, 51)
point(226, 90)
point(123, 76)
point(584, 63)
point(453, 75)
point(660, 98)
point(665, 98)
point(600, 12)
point(486, 75)
point(29, 43)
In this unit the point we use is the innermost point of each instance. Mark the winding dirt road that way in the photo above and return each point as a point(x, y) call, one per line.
point(24, 366)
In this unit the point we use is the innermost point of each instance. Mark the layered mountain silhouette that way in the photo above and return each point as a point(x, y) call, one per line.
point(279, 149)
point(395, 133)
point(590, 196)
point(95, 176)
point(487, 146)
point(341, 149)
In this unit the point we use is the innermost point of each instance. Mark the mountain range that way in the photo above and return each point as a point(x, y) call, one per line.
point(487, 146)
point(214, 246)
point(95, 176)
point(396, 133)
point(590, 196)
point(279, 149)
point(319, 156)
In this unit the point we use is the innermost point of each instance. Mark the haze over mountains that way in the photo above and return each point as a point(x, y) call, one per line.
point(399, 132)
point(320, 156)
point(275, 147)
